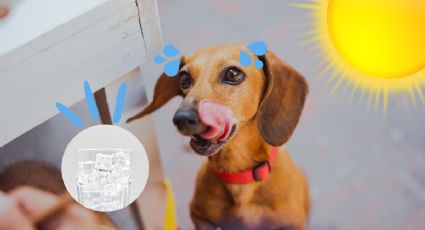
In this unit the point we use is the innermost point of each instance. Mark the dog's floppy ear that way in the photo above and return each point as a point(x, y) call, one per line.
point(165, 89)
point(283, 100)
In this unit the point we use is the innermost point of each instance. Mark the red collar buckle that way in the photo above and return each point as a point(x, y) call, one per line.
point(261, 171)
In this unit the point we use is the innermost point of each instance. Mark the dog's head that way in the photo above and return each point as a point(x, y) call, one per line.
point(220, 95)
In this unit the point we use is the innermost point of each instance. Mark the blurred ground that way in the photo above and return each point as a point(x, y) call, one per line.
point(366, 170)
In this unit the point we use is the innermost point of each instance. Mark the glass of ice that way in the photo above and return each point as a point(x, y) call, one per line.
point(103, 178)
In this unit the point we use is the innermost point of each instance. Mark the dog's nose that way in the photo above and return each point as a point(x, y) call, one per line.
point(187, 121)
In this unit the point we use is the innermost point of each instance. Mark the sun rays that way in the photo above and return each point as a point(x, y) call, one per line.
point(358, 43)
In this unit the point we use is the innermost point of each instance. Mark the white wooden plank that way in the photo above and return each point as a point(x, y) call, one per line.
point(30, 19)
point(99, 46)
point(83, 22)
point(149, 21)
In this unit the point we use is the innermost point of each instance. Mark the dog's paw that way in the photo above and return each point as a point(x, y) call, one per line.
point(171, 68)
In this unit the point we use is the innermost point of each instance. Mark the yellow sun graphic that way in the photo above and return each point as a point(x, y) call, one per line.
point(375, 46)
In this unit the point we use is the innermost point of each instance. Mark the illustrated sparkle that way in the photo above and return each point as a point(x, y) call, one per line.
point(103, 184)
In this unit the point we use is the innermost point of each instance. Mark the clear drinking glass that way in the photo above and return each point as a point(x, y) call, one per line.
point(103, 178)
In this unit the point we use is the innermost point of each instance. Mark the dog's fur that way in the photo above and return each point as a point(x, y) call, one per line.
point(267, 107)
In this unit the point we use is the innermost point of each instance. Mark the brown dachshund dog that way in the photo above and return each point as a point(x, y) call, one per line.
point(236, 116)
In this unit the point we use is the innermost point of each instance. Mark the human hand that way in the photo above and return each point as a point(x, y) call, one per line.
point(17, 206)
point(4, 11)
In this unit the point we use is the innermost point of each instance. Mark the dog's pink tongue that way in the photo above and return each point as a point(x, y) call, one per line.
point(218, 118)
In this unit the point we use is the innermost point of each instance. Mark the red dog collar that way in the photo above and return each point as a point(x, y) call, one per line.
point(257, 173)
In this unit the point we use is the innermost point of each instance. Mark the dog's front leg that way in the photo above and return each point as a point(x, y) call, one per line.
point(200, 223)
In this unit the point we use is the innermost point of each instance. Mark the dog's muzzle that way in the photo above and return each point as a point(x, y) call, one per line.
point(208, 123)
point(188, 123)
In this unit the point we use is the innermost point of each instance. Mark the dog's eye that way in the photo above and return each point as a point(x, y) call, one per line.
point(185, 80)
point(233, 76)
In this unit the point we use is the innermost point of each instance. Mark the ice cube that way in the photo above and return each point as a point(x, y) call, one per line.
point(89, 194)
point(122, 164)
point(82, 179)
point(124, 189)
point(85, 167)
point(111, 190)
point(90, 187)
point(87, 179)
point(122, 160)
point(122, 155)
point(122, 172)
point(94, 178)
point(113, 177)
point(102, 178)
point(105, 186)
point(104, 161)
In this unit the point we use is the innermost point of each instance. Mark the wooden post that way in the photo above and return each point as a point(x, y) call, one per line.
point(105, 118)
point(102, 106)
